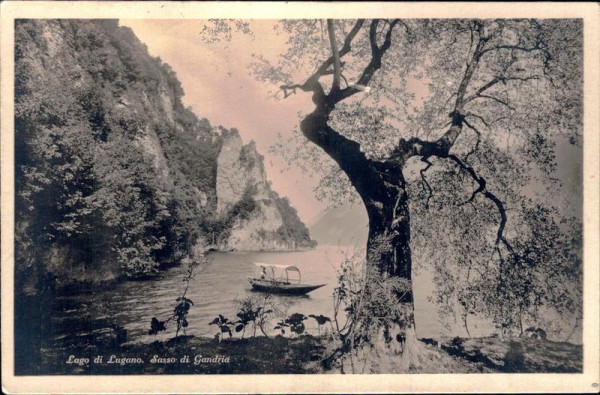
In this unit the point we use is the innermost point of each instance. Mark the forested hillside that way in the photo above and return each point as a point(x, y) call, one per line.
point(114, 176)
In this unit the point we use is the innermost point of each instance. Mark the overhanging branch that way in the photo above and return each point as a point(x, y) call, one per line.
point(485, 87)
point(497, 99)
point(481, 189)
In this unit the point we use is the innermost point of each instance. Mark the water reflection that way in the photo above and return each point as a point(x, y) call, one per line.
point(217, 286)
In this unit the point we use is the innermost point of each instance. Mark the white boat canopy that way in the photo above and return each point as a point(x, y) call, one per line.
point(284, 267)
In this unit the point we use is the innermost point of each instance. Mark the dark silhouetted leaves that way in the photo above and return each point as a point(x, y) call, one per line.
point(156, 326)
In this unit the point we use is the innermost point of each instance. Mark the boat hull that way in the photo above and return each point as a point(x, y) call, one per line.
point(282, 288)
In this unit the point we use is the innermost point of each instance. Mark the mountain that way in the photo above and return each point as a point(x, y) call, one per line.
point(114, 176)
point(347, 224)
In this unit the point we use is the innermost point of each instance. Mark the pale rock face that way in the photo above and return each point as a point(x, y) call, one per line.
point(230, 178)
point(239, 167)
point(167, 103)
point(53, 39)
point(249, 235)
point(150, 143)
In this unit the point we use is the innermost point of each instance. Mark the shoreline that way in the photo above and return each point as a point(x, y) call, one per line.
point(89, 285)
point(302, 249)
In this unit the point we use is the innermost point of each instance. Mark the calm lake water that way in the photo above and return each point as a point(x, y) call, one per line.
point(216, 287)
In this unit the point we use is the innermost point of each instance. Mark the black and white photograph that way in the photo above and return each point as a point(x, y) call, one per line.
point(300, 195)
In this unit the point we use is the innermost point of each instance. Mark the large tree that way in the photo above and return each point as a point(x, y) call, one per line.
point(448, 132)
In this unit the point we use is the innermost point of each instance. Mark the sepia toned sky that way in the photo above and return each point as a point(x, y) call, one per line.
point(218, 86)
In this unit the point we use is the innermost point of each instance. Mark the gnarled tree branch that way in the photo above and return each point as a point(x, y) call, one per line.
point(470, 70)
point(377, 53)
point(424, 180)
point(478, 133)
point(312, 83)
point(481, 189)
point(344, 151)
point(485, 87)
point(497, 99)
point(441, 147)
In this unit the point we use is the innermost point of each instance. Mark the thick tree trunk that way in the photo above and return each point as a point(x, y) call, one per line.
point(382, 187)
point(388, 248)
point(389, 222)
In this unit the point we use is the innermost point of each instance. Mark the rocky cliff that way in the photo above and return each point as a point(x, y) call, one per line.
point(241, 174)
point(113, 173)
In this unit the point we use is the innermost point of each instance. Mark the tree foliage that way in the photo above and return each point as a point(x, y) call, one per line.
point(448, 131)
point(93, 190)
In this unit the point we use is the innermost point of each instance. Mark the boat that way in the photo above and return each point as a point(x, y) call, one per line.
point(276, 279)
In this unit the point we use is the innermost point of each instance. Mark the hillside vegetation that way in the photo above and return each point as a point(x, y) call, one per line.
point(114, 176)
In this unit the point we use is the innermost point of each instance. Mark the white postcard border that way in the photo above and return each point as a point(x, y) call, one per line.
point(328, 383)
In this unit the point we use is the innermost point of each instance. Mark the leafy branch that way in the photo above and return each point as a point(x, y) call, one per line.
point(182, 308)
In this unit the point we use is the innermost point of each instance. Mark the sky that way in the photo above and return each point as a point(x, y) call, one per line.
point(218, 86)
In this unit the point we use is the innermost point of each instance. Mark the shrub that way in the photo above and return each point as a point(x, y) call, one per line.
point(182, 307)
point(224, 325)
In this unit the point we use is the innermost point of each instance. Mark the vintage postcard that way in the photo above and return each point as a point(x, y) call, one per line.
point(305, 197)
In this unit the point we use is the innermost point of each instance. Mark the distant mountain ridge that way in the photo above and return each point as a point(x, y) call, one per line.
point(347, 224)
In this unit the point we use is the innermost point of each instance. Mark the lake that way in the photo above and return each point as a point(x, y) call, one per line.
point(216, 287)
